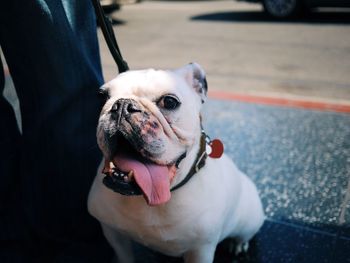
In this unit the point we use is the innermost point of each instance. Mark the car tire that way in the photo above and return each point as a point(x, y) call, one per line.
point(282, 9)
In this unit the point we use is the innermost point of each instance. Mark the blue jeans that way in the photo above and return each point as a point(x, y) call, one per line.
point(46, 171)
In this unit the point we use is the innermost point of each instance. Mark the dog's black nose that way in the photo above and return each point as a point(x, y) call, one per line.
point(125, 107)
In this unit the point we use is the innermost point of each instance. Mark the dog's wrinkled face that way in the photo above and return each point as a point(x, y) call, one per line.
point(150, 120)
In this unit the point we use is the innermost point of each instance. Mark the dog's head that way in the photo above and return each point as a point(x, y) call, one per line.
point(150, 120)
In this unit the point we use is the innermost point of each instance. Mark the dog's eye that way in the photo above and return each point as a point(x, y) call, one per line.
point(169, 102)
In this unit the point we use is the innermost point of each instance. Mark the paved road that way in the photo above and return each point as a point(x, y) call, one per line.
point(240, 48)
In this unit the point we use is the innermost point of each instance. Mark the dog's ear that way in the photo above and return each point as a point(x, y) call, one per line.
point(195, 77)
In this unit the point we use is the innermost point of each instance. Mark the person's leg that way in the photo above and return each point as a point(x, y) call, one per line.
point(52, 52)
point(9, 156)
point(13, 234)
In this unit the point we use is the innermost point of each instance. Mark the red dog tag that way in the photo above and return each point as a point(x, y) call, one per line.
point(217, 148)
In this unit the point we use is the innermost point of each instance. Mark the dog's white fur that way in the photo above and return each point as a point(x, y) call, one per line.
point(218, 202)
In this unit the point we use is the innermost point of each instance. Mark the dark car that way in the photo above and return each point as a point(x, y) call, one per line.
point(291, 8)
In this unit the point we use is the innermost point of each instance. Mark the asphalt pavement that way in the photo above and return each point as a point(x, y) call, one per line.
point(241, 49)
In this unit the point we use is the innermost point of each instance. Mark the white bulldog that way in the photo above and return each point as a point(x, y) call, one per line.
point(156, 184)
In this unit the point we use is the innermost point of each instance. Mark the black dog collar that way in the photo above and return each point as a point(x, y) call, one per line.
point(197, 165)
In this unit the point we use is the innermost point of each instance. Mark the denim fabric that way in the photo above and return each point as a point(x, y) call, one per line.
point(52, 52)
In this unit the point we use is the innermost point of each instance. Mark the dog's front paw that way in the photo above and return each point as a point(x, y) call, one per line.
point(241, 248)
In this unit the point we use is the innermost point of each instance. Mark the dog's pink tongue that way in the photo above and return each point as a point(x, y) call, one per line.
point(153, 179)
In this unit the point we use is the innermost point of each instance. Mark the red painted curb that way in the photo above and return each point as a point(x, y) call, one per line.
point(284, 102)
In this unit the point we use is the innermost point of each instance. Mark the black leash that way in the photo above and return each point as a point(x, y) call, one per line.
point(108, 33)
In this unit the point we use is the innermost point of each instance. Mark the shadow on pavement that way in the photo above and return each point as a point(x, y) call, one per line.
point(259, 16)
point(115, 21)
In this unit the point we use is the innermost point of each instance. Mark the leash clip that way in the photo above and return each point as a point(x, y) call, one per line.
point(214, 148)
